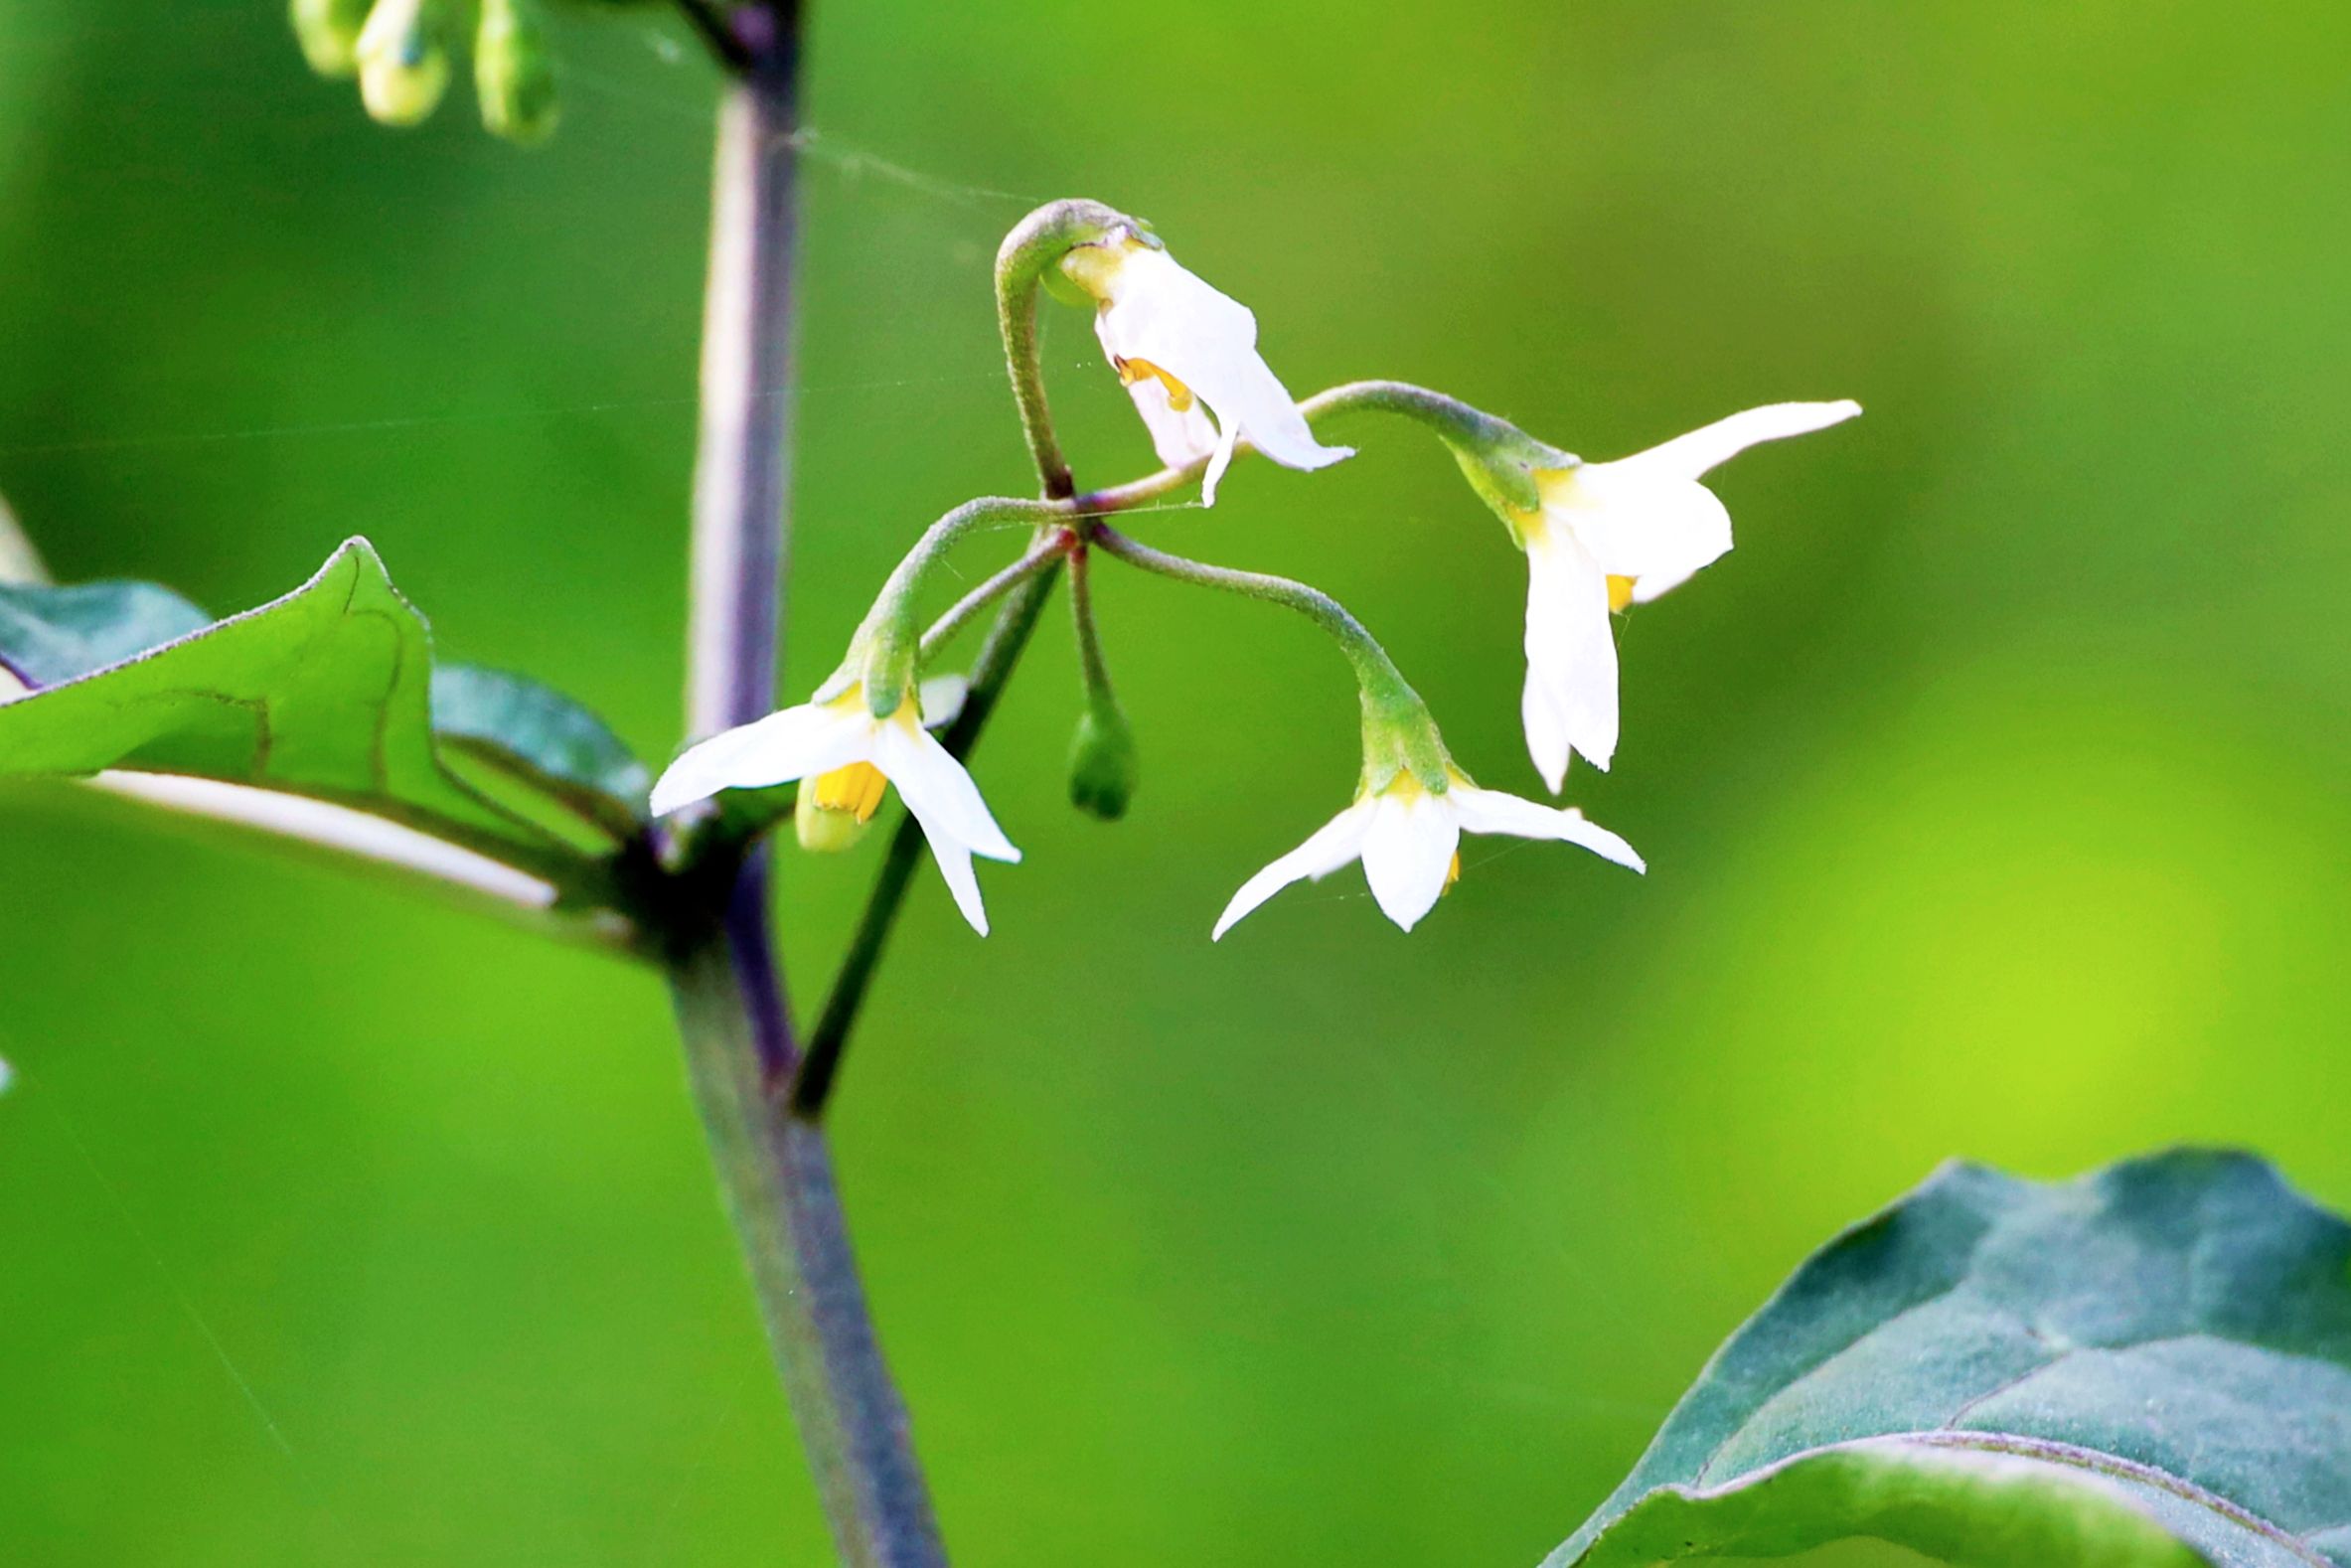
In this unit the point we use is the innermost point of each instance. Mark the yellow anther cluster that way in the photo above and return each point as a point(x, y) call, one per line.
point(858, 788)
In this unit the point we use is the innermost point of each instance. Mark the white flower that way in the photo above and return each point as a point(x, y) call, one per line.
point(851, 757)
point(1408, 837)
point(1612, 533)
point(1176, 343)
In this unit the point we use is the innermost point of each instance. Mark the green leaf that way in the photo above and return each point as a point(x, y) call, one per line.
point(52, 635)
point(519, 739)
point(2150, 1367)
point(329, 693)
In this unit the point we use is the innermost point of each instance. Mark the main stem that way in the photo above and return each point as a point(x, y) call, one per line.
point(775, 1170)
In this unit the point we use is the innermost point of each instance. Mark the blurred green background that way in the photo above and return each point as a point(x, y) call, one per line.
point(1991, 789)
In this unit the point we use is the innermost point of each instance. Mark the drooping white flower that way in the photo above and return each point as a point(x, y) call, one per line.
point(849, 757)
point(1178, 344)
point(1408, 837)
point(1608, 534)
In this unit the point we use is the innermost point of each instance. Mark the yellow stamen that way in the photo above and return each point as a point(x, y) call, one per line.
point(1452, 873)
point(1132, 370)
point(857, 788)
point(1619, 592)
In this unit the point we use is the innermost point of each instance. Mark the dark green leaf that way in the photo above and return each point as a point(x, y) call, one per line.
point(328, 693)
point(2150, 1367)
point(49, 636)
point(492, 723)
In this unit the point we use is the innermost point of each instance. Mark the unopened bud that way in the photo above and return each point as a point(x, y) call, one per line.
point(403, 60)
point(328, 31)
point(512, 74)
point(1103, 763)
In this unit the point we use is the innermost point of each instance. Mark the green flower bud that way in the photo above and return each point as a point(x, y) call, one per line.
point(403, 60)
point(1103, 764)
point(513, 74)
point(328, 31)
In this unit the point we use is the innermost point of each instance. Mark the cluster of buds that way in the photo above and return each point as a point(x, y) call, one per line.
point(1597, 537)
point(400, 50)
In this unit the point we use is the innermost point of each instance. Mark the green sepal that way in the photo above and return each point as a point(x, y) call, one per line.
point(1031, 252)
point(1501, 465)
point(1400, 736)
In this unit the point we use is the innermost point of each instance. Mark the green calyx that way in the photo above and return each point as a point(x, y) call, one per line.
point(1031, 252)
point(1400, 736)
point(1503, 471)
point(888, 649)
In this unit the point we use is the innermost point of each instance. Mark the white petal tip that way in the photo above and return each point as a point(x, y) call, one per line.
point(669, 797)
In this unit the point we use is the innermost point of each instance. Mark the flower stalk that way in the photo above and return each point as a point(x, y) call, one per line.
point(888, 645)
point(1006, 639)
point(1393, 712)
point(1036, 243)
point(1102, 759)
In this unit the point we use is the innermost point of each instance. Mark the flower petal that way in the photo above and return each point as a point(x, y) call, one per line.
point(1571, 653)
point(791, 744)
point(1646, 517)
point(1608, 846)
point(1642, 521)
point(1492, 811)
point(1688, 456)
point(1408, 853)
point(939, 792)
point(940, 699)
point(963, 884)
point(1246, 392)
point(1331, 847)
point(1179, 438)
point(1165, 314)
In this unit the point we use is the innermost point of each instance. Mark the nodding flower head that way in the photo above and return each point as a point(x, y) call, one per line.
point(845, 756)
point(1188, 355)
point(1608, 534)
point(1407, 833)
